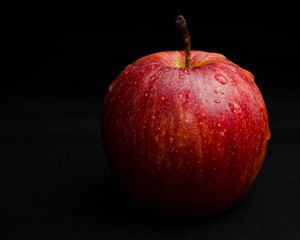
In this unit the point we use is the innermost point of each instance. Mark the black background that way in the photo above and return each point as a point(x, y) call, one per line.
point(59, 61)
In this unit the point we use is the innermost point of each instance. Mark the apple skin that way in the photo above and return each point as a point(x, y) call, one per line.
point(185, 141)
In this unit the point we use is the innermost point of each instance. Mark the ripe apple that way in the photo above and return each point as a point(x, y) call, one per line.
point(185, 132)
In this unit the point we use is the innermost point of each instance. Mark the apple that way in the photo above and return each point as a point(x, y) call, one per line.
point(185, 132)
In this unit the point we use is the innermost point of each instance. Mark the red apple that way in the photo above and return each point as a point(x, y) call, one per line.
point(186, 132)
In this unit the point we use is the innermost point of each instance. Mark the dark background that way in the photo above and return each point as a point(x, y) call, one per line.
point(59, 61)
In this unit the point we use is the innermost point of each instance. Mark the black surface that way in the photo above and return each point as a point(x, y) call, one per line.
point(54, 178)
point(65, 191)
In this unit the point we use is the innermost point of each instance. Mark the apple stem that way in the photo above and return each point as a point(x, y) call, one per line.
point(181, 23)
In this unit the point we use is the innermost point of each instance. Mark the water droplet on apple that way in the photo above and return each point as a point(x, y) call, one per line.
point(215, 91)
point(231, 107)
point(233, 83)
point(153, 117)
point(217, 101)
point(221, 79)
point(234, 107)
point(162, 98)
point(231, 67)
point(146, 94)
